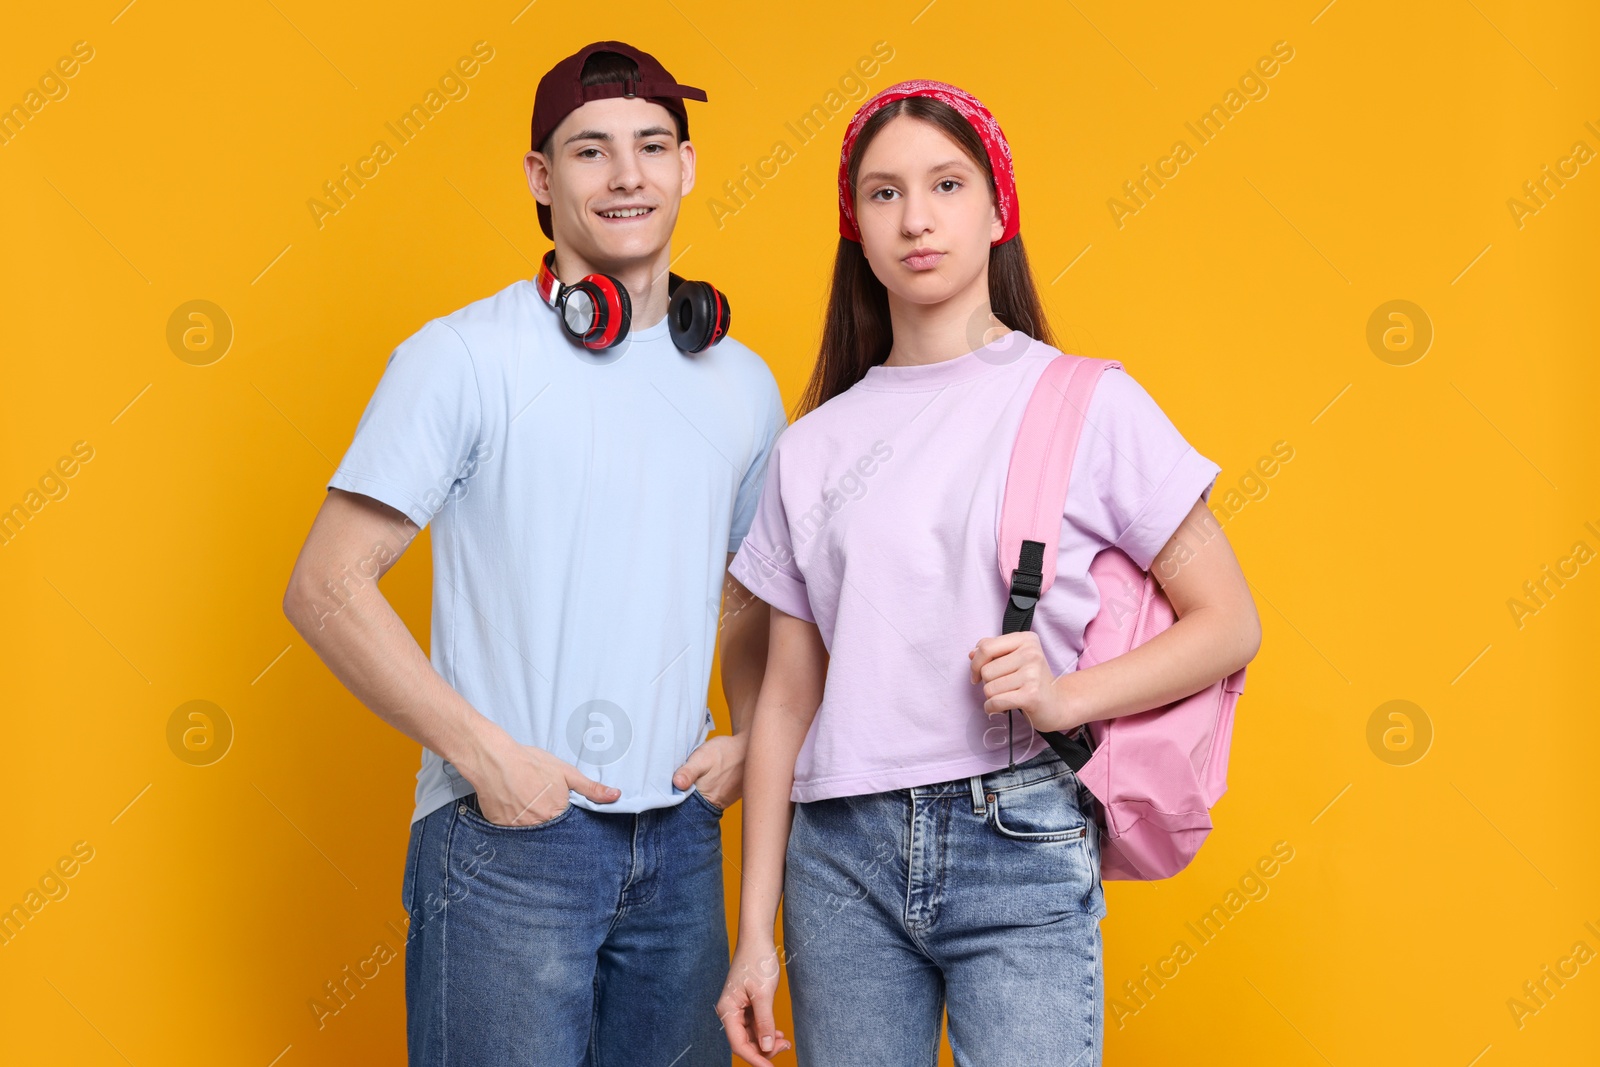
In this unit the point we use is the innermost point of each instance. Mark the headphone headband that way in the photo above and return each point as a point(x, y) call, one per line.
point(545, 281)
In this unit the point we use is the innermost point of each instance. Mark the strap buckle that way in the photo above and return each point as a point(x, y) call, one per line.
point(1025, 588)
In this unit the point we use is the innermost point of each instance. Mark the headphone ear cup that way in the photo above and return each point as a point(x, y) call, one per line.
point(596, 312)
point(724, 317)
point(697, 316)
point(577, 309)
point(623, 305)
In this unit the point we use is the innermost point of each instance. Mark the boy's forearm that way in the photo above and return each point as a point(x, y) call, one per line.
point(775, 739)
point(745, 626)
point(369, 649)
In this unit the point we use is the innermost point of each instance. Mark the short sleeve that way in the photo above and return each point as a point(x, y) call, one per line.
point(419, 434)
point(744, 506)
point(1135, 477)
point(765, 562)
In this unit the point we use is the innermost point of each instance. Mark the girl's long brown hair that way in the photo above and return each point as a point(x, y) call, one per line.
point(856, 332)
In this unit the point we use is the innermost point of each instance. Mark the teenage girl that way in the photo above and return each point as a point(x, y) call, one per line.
point(929, 863)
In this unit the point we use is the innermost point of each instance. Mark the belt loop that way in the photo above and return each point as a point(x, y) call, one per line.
point(979, 805)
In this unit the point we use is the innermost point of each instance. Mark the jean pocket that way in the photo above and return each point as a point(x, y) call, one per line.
point(1042, 812)
point(706, 804)
point(408, 879)
point(469, 807)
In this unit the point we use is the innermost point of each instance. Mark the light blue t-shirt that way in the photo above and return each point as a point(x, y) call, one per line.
point(583, 505)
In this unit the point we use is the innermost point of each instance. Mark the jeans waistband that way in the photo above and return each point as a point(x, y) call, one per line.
point(1041, 767)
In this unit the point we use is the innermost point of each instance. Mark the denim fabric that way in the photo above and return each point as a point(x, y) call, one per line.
point(979, 896)
point(590, 940)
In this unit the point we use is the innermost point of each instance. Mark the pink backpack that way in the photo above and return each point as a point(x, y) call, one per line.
point(1155, 774)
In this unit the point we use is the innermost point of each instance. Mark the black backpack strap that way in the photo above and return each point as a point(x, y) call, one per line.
point(1023, 597)
point(1025, 583)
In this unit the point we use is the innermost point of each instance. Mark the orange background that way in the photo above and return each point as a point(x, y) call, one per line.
point(1427, 484)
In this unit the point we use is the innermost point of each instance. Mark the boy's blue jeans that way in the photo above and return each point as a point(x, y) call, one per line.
point(591, 940)
point(979, 896)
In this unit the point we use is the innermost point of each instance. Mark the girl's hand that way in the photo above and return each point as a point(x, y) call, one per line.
point(1014, 673)
point(745, 1006)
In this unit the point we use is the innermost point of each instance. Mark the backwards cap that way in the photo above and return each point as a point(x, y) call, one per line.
point(561, 92)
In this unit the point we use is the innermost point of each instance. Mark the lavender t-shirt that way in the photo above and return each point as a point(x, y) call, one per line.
point(878, 521)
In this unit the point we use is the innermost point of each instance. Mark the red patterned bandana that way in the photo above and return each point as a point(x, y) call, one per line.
point(971, 109)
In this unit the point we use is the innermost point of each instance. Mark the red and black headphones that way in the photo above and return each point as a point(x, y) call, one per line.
point(596, 311)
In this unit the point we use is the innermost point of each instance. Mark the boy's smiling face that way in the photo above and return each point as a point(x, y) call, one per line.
point(614, 178)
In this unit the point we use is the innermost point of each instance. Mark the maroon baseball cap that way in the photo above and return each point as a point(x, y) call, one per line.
point(561, 92)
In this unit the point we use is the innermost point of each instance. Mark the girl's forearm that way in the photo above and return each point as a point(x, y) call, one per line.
point(1204, 645)
point(776, 734)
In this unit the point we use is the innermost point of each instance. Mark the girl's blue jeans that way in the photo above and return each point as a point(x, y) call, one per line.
point(979, 896)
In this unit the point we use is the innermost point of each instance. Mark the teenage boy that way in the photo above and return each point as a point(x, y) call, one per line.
point(564, 873)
